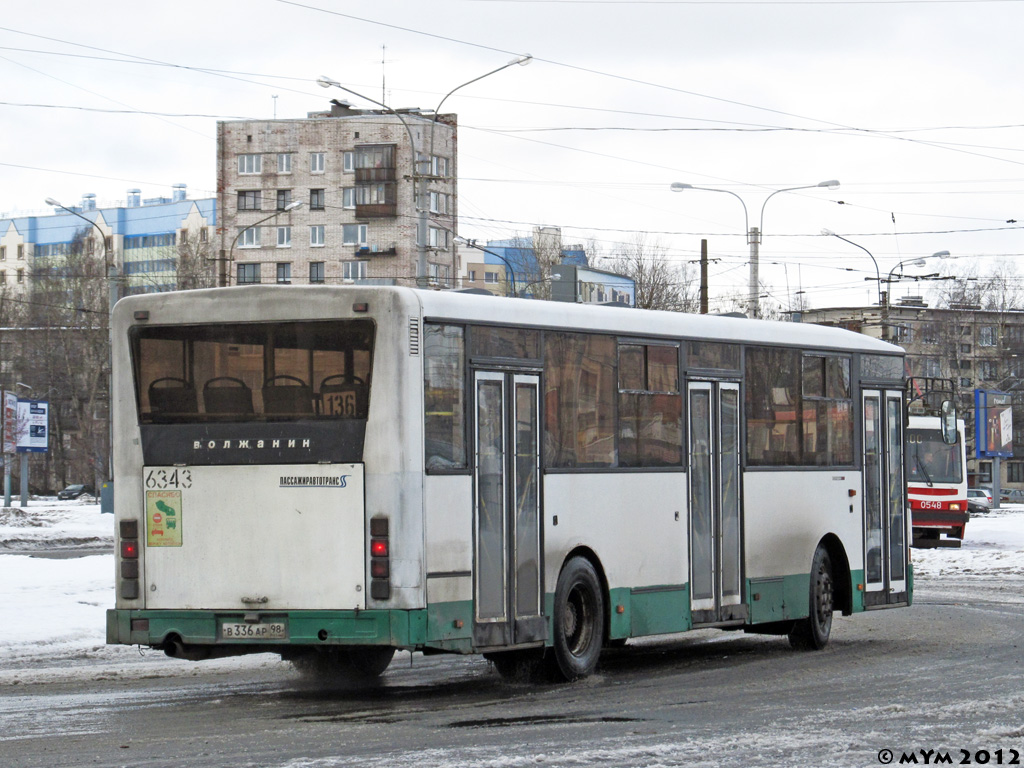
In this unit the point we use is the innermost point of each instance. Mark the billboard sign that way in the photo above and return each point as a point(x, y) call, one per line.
point(10, 422)
point(993, 424)
point(33, 426)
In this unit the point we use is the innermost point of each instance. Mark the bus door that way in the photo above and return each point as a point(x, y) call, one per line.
point(714, 495)
point(885, 512)
point(506, 519)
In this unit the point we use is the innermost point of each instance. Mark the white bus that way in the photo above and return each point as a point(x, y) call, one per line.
point(333, 473)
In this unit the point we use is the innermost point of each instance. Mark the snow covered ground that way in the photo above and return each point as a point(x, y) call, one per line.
point(58, 605)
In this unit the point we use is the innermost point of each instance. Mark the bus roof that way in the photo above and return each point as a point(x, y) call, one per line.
point(298, 300)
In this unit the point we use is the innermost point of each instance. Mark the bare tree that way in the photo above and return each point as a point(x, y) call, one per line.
point(68, 357)
point(659, 283)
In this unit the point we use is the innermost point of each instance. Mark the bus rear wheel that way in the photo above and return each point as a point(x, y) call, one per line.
point(578, 620)
point(812, 633)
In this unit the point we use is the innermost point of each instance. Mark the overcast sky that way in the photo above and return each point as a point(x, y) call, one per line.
point(915, 107)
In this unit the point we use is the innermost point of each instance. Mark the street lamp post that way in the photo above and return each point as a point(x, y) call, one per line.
point(521, 61)
point(754, 234)
point(878, 275)
point(110, 270)
point(223, 271)
point(421, 208)
point(511, 272)
point(889, 280)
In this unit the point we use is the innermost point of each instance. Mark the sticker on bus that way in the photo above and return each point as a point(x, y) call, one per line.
point(163, 518)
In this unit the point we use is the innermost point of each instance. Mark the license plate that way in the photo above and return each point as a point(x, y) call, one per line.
point(238, 630)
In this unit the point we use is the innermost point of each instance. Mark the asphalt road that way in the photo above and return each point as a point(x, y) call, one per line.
point(944, 675)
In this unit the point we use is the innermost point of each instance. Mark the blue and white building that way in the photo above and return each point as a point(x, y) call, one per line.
point(145, 237)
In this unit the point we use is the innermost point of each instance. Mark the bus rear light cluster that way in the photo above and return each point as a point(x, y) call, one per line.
point(128, 562)
point(380, 559)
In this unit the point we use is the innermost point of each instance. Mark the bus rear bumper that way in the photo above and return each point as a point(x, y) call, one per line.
point(204, 632)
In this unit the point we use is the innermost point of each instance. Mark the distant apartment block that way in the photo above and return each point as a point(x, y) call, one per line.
point(347, 195)
point(151, 243)
point(541, 266)
point(975, 348)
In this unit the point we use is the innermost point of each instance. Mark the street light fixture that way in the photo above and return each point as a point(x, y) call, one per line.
point(878, 275)
point(511, 272)
point(421, 209)
point(109, 267)
point(754, 235)
point(521, 61)
point(231, 252)
point(919, 261)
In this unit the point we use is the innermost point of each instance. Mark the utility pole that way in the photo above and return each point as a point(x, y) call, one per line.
point(704, 277)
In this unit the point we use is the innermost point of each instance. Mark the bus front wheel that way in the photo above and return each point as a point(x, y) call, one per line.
point(812, 633)
point(578, 620)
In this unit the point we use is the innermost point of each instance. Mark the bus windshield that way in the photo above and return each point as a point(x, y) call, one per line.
point(930, 460)
point(253, 372)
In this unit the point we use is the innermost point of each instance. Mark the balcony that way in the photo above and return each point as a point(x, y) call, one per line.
point(391, 249)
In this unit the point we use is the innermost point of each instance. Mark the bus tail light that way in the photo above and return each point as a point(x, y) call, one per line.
point(129, 560)
point(954, 506)
point(380, 559)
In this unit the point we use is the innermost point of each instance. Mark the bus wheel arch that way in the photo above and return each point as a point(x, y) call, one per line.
point(812, 633)
point(579, 617)
point(841, 573)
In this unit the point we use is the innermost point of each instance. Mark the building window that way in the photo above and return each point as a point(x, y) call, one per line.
point(250, 164)
point(284, 162)
point(316, 199)
point(472, 275)
point(249, 200)
point(21, 275)
point(903, 334)
point(439, 166)
point(284, 198)
point(249, 238)
point(3, 277)
point(440, 202)
point(964, 382)
point(348, 160)
point(284, 272)
point(988, 370)
point(986, 336)
point(3, 253)
point(490, 277)
point(354, 270)
point(348, 197)
point(374, 194)
point(316, 162)
point(21, 253)
point(353, 234)
point(316, 235)
point(204, 236)
point(284, 237)
point(377, 156)
point(437, 238)
point(965, 349)
point(248, 273)
point(316, 271)
point(984, 471)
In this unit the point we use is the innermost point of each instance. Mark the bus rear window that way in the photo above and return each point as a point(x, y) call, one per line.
point(253, 372)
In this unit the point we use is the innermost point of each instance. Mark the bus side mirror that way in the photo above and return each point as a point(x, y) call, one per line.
point(948, 420)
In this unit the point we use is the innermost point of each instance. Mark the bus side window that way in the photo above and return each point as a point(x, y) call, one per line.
point(343, 396)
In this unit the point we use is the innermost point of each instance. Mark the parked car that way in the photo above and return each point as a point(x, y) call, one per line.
point(74, 491)
point(1012, 495)
point(979, 497)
